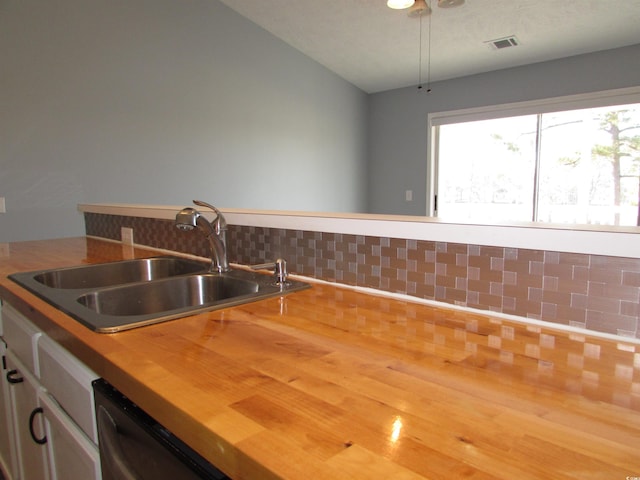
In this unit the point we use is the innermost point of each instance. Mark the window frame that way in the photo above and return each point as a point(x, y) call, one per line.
point(621, 96)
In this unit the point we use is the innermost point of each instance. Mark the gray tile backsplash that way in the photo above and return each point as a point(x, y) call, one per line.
point(596, 292)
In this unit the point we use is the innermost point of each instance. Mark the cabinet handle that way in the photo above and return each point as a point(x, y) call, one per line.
point(11, 377)
point(40, 441)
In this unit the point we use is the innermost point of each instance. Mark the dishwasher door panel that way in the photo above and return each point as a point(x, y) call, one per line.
point(133, 446)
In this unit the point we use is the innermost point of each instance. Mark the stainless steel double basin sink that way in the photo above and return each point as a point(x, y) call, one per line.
point(115, 296)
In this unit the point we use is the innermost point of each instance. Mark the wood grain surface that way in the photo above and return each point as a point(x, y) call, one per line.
point(330, 383)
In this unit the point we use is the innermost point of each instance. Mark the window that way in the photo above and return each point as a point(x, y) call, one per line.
point(575, 165)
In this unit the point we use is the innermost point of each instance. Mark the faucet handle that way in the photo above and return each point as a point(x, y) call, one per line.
point(219, 221)
point(279, 268)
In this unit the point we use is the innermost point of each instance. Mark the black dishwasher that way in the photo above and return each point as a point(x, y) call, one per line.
point(133, 446)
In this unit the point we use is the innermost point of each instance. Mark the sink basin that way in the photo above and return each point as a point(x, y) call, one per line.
point(192, 291)
point(117, 273)
point(116, 296)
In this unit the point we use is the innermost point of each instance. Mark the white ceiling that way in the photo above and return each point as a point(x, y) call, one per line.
point(378, 49)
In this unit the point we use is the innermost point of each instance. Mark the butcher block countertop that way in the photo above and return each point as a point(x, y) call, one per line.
point(329, 383)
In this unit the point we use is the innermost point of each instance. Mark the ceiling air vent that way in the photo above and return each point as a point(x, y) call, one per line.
point(506, 42)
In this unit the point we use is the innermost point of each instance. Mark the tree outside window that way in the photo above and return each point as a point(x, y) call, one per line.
point(577, 166)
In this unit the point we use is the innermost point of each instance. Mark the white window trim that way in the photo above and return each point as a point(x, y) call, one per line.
point(620, 96)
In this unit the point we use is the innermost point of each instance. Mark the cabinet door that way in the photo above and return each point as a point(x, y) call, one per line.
point(68, 381)
point(8, 454)
point(27, 422)
point(21, 336)
point(72, 456)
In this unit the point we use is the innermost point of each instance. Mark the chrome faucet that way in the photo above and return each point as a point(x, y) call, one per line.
point(189, 218)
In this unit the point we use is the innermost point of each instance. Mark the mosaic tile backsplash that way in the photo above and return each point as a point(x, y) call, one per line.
point(596, 292)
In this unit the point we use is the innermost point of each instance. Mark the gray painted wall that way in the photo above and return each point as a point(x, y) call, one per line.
point(160, 102)
point(398, 118)
point(163, 101)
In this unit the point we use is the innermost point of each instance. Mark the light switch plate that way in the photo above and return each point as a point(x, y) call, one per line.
point(3, 208)
point(126, 234)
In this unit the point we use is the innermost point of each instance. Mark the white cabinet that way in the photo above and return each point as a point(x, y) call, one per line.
point(21, 337)
point(50, 407)
point(69, 382)
point(68, 395)
point(29, 433)
point(29, 458)
point(8, 452)
point(72, 456)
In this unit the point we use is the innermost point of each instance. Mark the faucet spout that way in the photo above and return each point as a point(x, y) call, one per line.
point(217, 245)
point(189, 218)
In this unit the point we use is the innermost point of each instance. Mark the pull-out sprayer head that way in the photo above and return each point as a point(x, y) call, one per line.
point(187, 219)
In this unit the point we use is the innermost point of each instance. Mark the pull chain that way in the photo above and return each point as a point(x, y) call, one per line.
point(420, 56)
point(421, 14)
point(429, 57)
